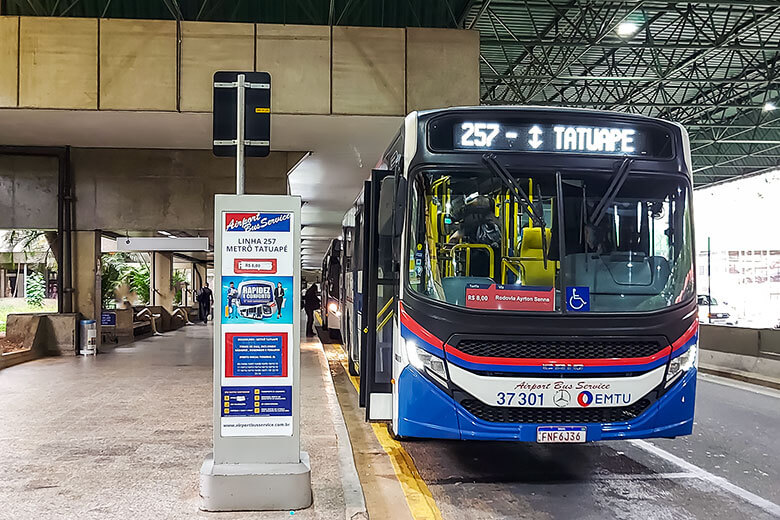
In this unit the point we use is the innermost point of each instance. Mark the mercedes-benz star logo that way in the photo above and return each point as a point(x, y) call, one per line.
point(561, 398)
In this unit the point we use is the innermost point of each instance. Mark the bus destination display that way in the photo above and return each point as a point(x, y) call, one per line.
point(548, 137)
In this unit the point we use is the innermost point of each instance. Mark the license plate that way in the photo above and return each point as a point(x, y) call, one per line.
point(551, 434)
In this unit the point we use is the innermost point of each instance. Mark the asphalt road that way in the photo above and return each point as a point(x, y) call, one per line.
point(728, 469)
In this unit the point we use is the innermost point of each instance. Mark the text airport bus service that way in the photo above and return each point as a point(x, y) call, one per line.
point(525, 274)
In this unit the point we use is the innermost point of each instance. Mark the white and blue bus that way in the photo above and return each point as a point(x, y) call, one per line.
point(330, 293)
point(525, 274)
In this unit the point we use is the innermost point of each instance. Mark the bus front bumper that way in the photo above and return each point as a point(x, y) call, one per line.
point(425, 411)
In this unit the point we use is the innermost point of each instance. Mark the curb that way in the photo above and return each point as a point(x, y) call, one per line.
point(741, 376)
point(354, 500)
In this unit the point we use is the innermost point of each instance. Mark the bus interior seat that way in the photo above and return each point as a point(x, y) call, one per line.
point(455, 287)
point(534, 272)
point(618, 280)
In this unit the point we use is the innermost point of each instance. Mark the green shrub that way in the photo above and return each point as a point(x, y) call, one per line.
point(137, 278)
point(35, 290)
point(178, 282)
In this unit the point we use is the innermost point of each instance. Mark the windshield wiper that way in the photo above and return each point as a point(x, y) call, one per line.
point(491, 162)
point(609, 196)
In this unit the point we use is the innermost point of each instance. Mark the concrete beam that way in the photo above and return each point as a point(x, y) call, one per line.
point(165, 65)
point(28, 192)
point(150, 190)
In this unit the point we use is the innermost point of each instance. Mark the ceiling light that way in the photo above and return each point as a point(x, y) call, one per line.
point(769, 106)
point(626, 29)
point(164, 233)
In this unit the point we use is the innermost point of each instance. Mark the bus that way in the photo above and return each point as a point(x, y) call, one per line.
point(330, 298)
point(520, 273)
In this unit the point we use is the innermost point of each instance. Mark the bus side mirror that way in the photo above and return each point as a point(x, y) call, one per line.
point(400, 207)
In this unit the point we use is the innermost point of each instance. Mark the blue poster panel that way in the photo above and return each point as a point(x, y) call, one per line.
point(251, 300)
point(256, 401)
point(255, 354)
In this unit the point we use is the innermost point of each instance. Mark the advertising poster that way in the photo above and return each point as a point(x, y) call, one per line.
point(252, 299)
point(257, 304)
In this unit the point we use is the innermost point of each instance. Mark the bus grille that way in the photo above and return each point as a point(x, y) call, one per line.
point(501, 414)
point(559, 348)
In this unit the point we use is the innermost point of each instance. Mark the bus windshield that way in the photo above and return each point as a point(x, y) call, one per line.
point(473, 244)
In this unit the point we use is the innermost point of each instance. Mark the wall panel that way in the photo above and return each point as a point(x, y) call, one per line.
point(442, 68)
point(368, 71)
point(9, 50)
point(137, 64)
point(58, 63)
point(298, 58)
point(206, 48)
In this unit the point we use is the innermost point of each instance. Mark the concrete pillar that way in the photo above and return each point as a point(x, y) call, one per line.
point(86, 276)
point(162, 272)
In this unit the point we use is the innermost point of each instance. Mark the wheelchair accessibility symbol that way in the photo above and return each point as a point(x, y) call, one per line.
point(578, 299)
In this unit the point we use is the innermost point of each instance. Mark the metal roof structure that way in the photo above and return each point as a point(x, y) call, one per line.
point(711, 65)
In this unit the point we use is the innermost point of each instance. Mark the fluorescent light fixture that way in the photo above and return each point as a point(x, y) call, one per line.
point(769, 106)
point(164, 233)
point(626, 29)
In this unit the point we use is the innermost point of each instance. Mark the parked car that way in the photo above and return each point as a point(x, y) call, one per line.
point(715, 312)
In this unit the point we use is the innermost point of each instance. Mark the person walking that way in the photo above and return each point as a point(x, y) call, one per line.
point(311, 302)
point(279, 298)
point(205, 301)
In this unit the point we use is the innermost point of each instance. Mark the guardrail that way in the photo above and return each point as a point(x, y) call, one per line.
point(751, 355)
point(741, 340)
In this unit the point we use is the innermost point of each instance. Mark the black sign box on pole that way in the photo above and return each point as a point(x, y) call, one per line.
point(257, 134)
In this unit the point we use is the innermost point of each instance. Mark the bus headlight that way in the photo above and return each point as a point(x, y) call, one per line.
point(423, 360)
point(682, 364)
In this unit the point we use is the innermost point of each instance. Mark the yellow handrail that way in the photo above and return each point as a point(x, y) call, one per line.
point(390, 301)
point(505, 263)
point(468, 248)
point(384, 322)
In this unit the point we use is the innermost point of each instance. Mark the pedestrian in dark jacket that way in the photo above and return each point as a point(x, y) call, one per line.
point(205, 301)
point(311, 302)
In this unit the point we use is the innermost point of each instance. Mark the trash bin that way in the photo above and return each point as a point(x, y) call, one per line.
point(88, 337)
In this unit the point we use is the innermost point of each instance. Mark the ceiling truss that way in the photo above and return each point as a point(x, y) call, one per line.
point(713, 66)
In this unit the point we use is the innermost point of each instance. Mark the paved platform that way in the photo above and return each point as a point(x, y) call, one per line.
point(122, 435)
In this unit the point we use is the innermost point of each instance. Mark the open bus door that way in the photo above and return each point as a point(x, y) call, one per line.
point(379, 288)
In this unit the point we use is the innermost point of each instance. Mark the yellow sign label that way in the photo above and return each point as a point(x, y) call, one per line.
point(262, 110)
point(227, 410)
point(257, 410)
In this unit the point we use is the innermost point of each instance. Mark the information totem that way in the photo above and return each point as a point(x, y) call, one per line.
point(257, 463)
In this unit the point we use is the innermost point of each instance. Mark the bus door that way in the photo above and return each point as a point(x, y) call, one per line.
point(378, 303)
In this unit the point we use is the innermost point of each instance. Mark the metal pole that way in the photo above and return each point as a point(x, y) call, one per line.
point(709, 283)
point(241, 85)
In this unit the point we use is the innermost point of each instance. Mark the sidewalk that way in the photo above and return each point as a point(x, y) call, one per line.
point(122, 435)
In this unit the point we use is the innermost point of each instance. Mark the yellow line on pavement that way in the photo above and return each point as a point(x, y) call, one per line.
point(418, 496)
